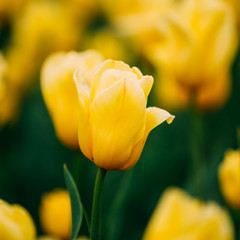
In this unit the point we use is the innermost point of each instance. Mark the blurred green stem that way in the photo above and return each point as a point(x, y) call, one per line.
point(97, 203)
point(196, 143)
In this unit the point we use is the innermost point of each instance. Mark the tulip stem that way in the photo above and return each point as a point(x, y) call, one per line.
point(197, 140)
point(97, 203)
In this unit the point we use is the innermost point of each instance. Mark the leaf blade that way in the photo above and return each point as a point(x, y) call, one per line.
point(76, 206)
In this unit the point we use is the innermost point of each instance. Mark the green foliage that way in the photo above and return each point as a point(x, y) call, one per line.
point(76, 206)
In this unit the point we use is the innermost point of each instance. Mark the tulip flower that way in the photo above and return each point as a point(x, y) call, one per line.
point(113, 119)
point(15, 223)
point(59, 90)
point(193, 54)
point(55, 214)
point(229, 177)
point(42, 28)
point(9, 98)
point(109, 44)
point(181, 217)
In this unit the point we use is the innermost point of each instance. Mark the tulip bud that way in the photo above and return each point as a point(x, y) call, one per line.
point(15, 223)
point(229, 178)
point(60, 93)
point(113, 119)
point(179, 217)
point(55, 214)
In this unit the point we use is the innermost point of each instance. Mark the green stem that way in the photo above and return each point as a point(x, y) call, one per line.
point(96, 207)
point(196, 138)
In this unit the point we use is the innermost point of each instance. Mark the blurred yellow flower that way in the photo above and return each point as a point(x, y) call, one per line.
point(9, 98)
point(236, 7)
point(229, 177)
point(194, 52)
point(15, 223)
point(181, 217)
point(9, 9)
point(191, 43)
point(55, 214)
point(53, 238)
point(113, 121)
point(84, 9)
point(48, 238)
point(109, 44)
point(60, 93)
point(42, 28)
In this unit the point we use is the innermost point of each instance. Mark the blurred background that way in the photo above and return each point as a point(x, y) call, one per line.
point(190, 47)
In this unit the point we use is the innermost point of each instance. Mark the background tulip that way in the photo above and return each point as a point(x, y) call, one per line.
point(60, 92)
point(229, 177)
point(15, 223)
point(55, 214)
point(181, 217)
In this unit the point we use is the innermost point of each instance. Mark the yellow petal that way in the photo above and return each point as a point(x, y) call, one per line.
point(146, 83)
point(111, 76)
point(84, 129)
point(135, 155)
point(108, 64)
point(117, 118)
point(137, 72)
point(156, 116)
point(84, 132)
point(83, 88)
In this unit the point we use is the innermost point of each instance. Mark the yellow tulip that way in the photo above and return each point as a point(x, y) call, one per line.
point(42, 28)
point(9, 9)
point(229, 177)
point(55, 214)
point(181, 217)
point(113, 121)
point(109, 44)
point(236, 8)
point(48, 238)
point(54, 238)
point(60, 93)
point(192, 50)
point(15, 223)
point(9, 98)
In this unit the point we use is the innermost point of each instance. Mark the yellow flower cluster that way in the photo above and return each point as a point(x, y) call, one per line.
point(181, 217)
point(229, 177)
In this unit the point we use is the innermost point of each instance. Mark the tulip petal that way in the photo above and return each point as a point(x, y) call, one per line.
point(84, 132)
point(82, 88)
point(146, 83)
point(117, 118)
point(137, 72)
point(111, 76)
point(108, 64)
point(135, 155)
point(154, 117)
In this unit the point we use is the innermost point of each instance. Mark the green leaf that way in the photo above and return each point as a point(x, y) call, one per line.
point(76, 206)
